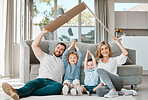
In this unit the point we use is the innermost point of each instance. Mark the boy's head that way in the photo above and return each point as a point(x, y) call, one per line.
point(72, 57)
point(90, 64)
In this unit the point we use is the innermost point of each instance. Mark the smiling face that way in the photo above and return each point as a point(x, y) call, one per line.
point(105, 50)
point(90, 65)
point(73, 59)
point(58, 51)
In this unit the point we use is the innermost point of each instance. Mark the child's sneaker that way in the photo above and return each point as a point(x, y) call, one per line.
point(90, 91)
point(111, 94)
point(79, 90)
point(129, 92)
point(65, 90)
point(73, 92)
point(10, 91)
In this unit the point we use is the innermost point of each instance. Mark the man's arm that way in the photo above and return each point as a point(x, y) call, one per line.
point(35, 44)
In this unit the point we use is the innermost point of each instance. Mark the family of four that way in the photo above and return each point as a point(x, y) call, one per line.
point(100, 72)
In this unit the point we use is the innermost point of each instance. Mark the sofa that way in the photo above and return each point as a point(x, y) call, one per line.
point(29, 64)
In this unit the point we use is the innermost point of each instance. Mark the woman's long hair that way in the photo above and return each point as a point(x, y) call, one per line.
point(98, 52)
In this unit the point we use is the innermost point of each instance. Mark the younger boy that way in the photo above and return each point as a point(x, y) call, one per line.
point(91, 75)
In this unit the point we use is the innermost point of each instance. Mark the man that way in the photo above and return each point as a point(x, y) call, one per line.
point(50, 76)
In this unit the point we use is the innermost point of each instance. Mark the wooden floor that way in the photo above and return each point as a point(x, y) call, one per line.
point(142, 90)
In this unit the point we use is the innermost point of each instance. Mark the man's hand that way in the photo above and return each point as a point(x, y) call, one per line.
point(44, 31)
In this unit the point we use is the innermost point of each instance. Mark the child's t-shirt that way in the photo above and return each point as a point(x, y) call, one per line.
point(91, 77)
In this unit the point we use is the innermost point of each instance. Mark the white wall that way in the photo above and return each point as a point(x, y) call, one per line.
point(110, 18)
point(132, 1)
point(16, 61)
point(138, 43)
point(136, 32)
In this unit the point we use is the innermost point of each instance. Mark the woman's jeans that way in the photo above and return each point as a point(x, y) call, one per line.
point(112, 82)
point(40, 87)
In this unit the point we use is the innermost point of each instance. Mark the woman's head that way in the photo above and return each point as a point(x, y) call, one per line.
point(72, 57)
point(103, 49)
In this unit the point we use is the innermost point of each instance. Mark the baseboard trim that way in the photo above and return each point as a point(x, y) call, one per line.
point(145, 72)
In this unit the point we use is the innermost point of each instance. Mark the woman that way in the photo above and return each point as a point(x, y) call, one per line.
point(108, 70)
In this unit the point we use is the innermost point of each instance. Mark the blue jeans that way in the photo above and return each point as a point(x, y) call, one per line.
point(112, 82)
point(40, 87)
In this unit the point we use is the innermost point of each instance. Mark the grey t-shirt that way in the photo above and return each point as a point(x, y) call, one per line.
point(51, 67)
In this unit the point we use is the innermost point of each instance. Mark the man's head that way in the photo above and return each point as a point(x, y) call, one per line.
point(59, 49)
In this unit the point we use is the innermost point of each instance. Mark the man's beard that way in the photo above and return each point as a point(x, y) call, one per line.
point(57, 54)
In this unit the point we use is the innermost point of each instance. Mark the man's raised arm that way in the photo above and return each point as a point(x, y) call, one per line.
point(35, 44)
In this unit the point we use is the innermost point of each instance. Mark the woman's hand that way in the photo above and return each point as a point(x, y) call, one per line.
point(116, 41)
point(124, 51)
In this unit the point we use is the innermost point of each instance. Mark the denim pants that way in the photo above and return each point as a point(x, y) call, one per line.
point(40, 87)
point(112, 82)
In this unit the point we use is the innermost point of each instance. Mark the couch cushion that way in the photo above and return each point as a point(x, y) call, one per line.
point(52, 44)
point(117, 51)
point(34, 69)
point(43, 45)
point(130, 70)
point(84, 46)
point(132, 79)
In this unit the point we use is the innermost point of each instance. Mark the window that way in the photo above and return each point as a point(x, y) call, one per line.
point(69, 30)
point(88, 23)
point(81, 27)
point(43, 13)
point(131, 7)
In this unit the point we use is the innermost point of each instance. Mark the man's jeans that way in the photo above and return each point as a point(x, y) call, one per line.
point(40, 87)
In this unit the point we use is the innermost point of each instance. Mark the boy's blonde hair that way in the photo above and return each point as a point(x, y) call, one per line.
point(98, 52)
point(74, 53)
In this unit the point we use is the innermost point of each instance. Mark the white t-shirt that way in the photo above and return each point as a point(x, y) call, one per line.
point(112, 64)
point(51, 67)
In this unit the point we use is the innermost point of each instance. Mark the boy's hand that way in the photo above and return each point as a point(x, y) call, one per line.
point(89, 52)
point(73, 42)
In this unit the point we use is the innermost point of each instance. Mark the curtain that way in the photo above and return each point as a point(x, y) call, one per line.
point(8, 37)
point(101, 12)
point(3, 8)
point(6, 27)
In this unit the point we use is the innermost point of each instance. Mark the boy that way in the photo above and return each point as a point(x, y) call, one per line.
point(91, 75)
point(72, 62)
